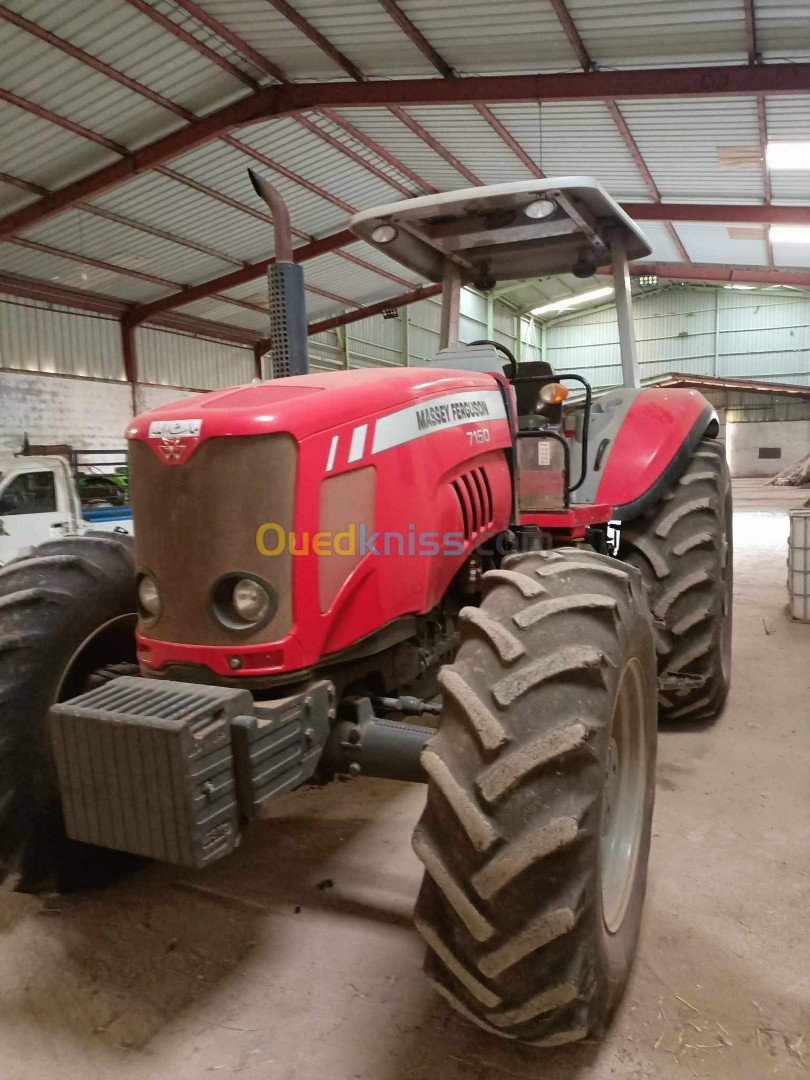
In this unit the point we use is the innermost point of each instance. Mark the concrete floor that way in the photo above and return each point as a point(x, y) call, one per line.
point(296, 959)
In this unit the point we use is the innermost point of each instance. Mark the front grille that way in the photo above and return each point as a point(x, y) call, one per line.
point(197, 521)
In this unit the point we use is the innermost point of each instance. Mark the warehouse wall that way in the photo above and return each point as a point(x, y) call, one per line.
point(746, 442)
point(706, 331)
point(723, 332)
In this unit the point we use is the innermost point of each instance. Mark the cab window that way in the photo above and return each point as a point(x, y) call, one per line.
point(29, 493)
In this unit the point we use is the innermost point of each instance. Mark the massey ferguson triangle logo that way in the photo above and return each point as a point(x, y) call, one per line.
point(172, 449)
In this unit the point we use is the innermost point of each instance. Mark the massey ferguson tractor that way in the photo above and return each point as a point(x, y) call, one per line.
point(319, 558)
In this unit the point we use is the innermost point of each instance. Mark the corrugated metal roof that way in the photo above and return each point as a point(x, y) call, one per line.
point(385, 128)
point(366, 35)
point(575, 138)
point(626, 34)
point(712, 244)
point(788, 119)
point(123, 246)
point(477, 36)
point(691, 146)
point(35, 264)
point(126, 39)
point(683, 141)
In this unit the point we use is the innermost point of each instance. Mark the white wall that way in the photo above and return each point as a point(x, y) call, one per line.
point(86, 413)
point(744, 440)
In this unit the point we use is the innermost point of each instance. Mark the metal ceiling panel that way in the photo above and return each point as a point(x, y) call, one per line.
point(50, 268)
point(12, 197)
point(712, 245)
point(476, 36)
point(467, 135)
point(385, 128)
point(313, 159)
point(224, 168)
point(122, 246)
point(275, 37)
point(126, 39)
point(788, 119)
point(42, 153)
point(575, 137)
point(366, 35)
point(80, 93)
point(325, 124)
point(166, 204)
point(783, 29)
point(691, 146)
point(663, 247)
point(622, 33)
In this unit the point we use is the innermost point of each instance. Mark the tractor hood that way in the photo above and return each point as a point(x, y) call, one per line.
point(302, 405)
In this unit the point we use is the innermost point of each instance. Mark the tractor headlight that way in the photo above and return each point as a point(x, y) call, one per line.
point(148, 597)
point(242, 602)
point(251, 602)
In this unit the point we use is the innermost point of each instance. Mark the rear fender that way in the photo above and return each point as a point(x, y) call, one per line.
point(640, 441)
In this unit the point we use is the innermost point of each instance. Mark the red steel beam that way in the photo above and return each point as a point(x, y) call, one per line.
point(751, 32)
point(314, 35)
point(280, 100)
point(89, 60)
point(62, 121)
point(378, 149)
point(98, 304)
point(411, 31)
point(234, 40)
point(719, 213)
point(434, 144)
point(347, 151)
point(571, 32)
point(193, 43)
point(296, 178)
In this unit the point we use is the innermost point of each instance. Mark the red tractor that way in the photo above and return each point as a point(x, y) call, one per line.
point(317, 557)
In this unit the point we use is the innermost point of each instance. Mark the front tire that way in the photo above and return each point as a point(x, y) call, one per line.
point(536, 832)
point(684, 550)
point(67, 610)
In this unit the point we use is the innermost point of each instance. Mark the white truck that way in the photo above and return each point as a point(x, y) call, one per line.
point(45, 496)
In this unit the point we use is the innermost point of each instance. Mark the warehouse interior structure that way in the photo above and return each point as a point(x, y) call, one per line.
point(133, 273)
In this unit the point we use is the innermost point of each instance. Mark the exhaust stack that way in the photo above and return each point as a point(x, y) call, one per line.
point(285, 282)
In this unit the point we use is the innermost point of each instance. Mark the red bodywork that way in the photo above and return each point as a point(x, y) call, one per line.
point(655, 428)
point(326, 415)
point(424, 483)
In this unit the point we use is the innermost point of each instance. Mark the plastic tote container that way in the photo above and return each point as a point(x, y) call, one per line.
point(798, 582)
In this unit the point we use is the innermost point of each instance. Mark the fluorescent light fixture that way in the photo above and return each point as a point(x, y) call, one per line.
point(788, 155)
point(739, 286)
point(790, 234)
point(573, 301)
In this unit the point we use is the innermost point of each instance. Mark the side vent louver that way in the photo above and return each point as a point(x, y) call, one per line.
point(475, 500)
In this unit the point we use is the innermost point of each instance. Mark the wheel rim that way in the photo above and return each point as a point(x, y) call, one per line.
point(624, 796)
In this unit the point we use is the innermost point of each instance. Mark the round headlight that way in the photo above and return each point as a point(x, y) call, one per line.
point(384, 233)
point(250, 601)
point(148, 596)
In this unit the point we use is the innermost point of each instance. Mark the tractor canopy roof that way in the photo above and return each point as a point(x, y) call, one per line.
point(504, 232)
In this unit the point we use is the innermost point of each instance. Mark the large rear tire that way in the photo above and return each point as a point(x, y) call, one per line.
point(67, 610)
point(684, 550)
point(536, 832)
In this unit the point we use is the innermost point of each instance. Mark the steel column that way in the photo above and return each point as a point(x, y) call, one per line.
point(624, 314)
point(451, 305)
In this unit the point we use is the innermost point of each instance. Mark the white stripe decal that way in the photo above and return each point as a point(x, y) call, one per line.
point(358, 443)
point(436, 414)
point(330, 461)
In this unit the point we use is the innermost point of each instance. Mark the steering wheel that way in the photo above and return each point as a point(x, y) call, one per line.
point(510, 368)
